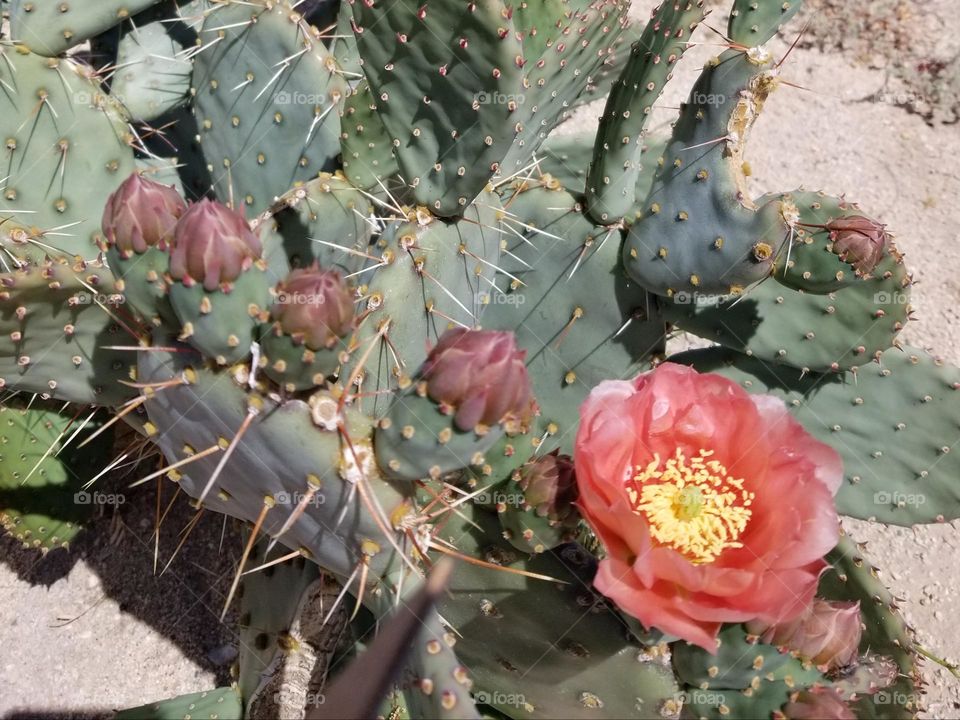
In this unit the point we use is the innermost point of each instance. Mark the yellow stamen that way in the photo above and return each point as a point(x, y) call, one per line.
point(693, 506)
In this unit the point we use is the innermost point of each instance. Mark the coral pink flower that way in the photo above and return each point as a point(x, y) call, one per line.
point(714, 505)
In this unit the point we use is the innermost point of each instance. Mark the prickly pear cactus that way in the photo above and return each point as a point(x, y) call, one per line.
point(360, 292)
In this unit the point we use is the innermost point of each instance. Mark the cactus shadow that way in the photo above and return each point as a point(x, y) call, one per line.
point(181, 603)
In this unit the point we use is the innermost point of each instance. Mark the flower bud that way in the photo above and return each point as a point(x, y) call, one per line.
point(141, 214)
point(828, 634)
point(481, 374)
point(212, 244)
point(550, 487)
point(315, 307)
point(819, 703)
point(860, 241)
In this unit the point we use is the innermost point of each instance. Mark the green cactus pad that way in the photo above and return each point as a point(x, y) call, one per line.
point(49, 28)
point(753, 22)
point(700, 231)
point(432, 275)
point(616, 167)
point(58, 318)
point(142, 279)
point(368, 156)
point(286, 618)
point(744, 679)
point(566, 158)
point(220, 704)
point(580, 319)
point(267, 101)
point(222, 324)
point(326, 220)
point(42, 503)
point(429, 75)
point(556, 70)
point(289, 452)
point(813, 265)
point(525, 528)
point(459, 88)
point(153, 73)
point(814, 332)
point(542, 649)
point(893, 421)
point(415, 439)
point(66, 151)
point(268, 604)
point(439, 686)
point(853, 577)
point(293, 365)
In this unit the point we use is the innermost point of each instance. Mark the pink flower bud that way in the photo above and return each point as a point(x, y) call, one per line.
point(212, 244)
point(828, 634)
point(860, 241)
point(481, 374)
point(550, 486)
point(819, 703)
point(141, 214)
point(315, 307)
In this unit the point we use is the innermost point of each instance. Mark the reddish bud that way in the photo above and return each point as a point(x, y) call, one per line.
point(828, 634)
point(141, 214)
point(860, 241)
point(819, 703)
point(315, 307)
point(212, 244)
point(550, 486)
point(481, 374)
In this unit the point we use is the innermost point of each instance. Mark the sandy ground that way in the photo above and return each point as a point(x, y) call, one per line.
point(96, 630)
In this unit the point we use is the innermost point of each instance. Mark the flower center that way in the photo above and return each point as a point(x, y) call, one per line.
point(693, 506)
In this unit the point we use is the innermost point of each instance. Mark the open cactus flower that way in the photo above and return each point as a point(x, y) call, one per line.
point(713, 505)
point(350, 289)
